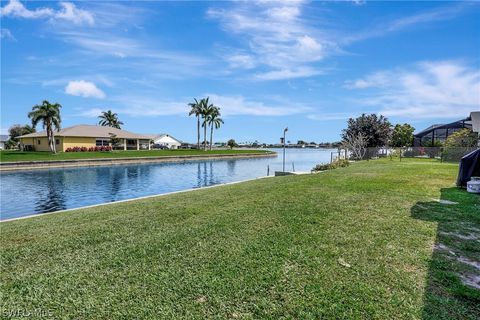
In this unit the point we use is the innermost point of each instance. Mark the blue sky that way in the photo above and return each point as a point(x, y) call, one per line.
point(306, 65)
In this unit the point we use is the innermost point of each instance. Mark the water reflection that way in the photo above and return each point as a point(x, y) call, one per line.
point(115, 183)
point(57, 189)
point(199, 175)
point(231, 167)
point(53, 198)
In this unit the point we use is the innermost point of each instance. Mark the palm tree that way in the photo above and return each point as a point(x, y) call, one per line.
point(205, 110)
point(214, 120)
point(109, 119)
point(49, 115)
point(195, 110)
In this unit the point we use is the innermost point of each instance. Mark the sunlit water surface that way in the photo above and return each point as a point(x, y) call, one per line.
point(38, 191)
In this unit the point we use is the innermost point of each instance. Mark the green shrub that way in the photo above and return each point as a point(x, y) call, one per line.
point(322, 167)
point(342, 163)
point(328, 166)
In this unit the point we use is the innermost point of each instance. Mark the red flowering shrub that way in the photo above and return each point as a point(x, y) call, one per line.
point(89, 149)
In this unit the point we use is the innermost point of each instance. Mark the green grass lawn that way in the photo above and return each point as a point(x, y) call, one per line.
point(369, 241)
point(9, 156)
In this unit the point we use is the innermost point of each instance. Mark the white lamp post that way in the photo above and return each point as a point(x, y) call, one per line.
point(284, 132)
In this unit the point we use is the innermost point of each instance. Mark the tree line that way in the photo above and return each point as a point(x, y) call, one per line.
point(375, 131)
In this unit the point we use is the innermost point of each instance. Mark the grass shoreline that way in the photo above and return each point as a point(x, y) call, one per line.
point(30, 156)
point(365, 241)
point(37, 215)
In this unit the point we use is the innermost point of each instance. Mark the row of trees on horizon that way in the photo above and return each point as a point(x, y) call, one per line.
point(369, 130)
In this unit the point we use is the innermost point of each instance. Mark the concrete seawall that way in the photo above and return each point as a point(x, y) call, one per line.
point(50, 164)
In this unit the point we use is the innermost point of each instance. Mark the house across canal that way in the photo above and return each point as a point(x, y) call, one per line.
point(85, 136)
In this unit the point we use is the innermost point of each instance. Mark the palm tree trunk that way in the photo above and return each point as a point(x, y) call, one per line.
point(50, 137)
point(205, 138)
point(54, 145)
point(211, 137)
point(198, 132)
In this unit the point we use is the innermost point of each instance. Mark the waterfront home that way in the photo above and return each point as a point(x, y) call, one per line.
point(3, 140)
point(86, 136)
point(166, 141)
point(440, 132)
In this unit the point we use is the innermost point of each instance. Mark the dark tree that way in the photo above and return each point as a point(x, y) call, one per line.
point(375, 129)
point(15, 131)
point(402, 135)
point(231, 143)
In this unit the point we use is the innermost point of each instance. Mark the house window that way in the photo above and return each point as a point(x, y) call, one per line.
point(101, 142)
point(38, 141)
point(57, 141)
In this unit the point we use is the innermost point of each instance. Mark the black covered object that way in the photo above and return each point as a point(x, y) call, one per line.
point(469, 167)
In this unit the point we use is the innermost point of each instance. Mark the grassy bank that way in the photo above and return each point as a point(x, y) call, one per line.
point(370, 241)
point(10, 156)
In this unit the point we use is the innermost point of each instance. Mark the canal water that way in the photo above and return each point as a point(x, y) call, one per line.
point(31, 192)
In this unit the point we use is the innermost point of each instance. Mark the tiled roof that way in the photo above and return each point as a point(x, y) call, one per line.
point(89, 131)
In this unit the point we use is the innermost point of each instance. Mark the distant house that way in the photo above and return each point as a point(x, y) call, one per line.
point(440, 132)
point(85, 136)
point(3, 141)
point(166, 141)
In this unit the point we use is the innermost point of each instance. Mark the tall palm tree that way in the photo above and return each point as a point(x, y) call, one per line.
point(214, 120)
point(109, 119)
point(49, 115)
point(206, 109)
point(195, 110)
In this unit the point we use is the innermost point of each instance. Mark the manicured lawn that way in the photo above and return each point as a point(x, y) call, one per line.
point(369, 241)
point(9, 156)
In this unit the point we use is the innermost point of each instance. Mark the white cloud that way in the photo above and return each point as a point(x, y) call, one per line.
point(71, 13)
point(90, 113)
point(276, 38)
point(284, 12)
point(147, 105)
point(84, 89)
point(331, 116)
point(16, 9)
point(444, 89)
point(437, 14)
point(238, 105)
point(308, 44)
point(68, 12)
point(374, 80)
point(241, 61)
point(279, 42)
point(6, 34)
point(283, 74)
point(359, 2)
